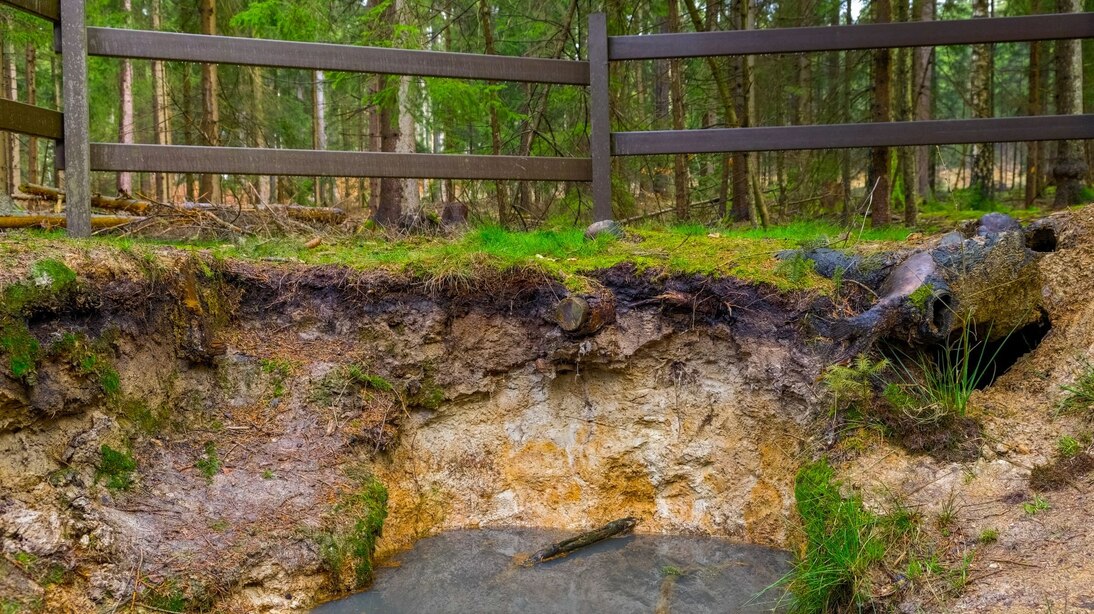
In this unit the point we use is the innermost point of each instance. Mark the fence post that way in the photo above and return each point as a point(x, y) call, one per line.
point(600, 145)
point(77, 149)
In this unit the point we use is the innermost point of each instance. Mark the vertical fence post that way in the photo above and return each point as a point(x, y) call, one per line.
point(600, 146)
point(77, 149)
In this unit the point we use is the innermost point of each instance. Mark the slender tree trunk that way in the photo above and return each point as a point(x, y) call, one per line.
point(680, 166)
point(500, 190)
point(55, 72)
point(6, 179)
point(126, 129)
point(742, 186)
point(389, 207)
point(882, 112)
point(1069, 167)
point(922, 70)
point(845, 117)
point(11, 92)
point(161, 110)
point(980, 90)
point(319, 126)
point(1035, 107)
point(210, 103)
point(32, 99)
point(258, 90)
point(906, 155)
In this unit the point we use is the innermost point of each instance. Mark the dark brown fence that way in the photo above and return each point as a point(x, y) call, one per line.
point(79, 157)
point(604, 49)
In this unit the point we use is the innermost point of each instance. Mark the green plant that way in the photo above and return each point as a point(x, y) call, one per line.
point(988, 536)
point(796, 268)
point(267, 474)
point(117, 467)
point(89, 359)
point(853, 383)
point(1036, 505)
point(209, 462)
point(842, 542)
point(1068, 446)
point(279, 370)
point(933, 387)
point(671, 570)
point(21, 347)
point(346, 547)
point(1079, 396)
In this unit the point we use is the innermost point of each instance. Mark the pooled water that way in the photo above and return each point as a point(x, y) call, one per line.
point(473, 571)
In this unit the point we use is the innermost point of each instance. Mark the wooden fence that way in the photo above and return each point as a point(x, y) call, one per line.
point(79, 157)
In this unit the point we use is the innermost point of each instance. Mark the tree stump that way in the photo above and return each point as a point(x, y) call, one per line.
point(585, 315)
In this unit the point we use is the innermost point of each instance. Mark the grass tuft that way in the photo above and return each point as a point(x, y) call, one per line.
point(117, 467)
point(209, 462)
point(1079, 396)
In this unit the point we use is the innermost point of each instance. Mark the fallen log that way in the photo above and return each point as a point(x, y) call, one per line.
point(585, 315)
point(983, 276)
point(138, 206)
point(110, 203)
point(59, 221)
point(565, 547)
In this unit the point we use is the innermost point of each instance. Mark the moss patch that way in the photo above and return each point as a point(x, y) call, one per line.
point(347, 544)
point(116, 467)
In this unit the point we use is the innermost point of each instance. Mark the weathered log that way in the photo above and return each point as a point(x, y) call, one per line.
point(137, 206)
point(59, 221)
point(566, 547)
point(111, 203)
point(585, 315)
point(981, 276)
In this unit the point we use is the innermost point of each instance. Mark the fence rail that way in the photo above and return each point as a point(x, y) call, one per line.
point(145, 45)
point(78, 156)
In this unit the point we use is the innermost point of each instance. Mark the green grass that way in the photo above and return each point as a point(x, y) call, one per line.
point(934, 386)
point(1068, 446)
point(1079, 396)
point(209, 462)
point(347, 545)
point(21, 348)
point(1036, 505)
point(116, 467)
point(988, 536)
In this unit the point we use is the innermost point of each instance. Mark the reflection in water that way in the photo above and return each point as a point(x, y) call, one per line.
point(474, 571)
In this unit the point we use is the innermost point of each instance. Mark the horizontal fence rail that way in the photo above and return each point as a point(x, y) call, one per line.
point(169, 46)
point(853, 37)
point(845, 136)
point(46, 9)
point(32, 120)
point(308, 162)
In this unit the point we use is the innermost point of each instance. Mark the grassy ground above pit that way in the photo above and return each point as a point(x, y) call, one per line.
point(562, 254)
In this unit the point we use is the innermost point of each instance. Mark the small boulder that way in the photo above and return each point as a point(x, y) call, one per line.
point(605, 227)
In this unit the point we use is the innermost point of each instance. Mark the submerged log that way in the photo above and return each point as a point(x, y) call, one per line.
point(585, 315)
point(565, 547)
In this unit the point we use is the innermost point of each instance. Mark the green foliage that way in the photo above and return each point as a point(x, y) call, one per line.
point(116, 467)
point(209, 462)
point(1079, 396)
point(89, 359)
point(346, 547)
point(1036, 505)
point(21, 348)
point(48, 280)
point(1068, 446)
point(853, 383)
point(279, 371)
point(938, 386)
point(842, 542)
point(796, 268)
point(988, 536)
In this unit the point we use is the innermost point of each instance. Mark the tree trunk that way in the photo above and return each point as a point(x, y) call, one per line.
point(161, 111)
point(742, 185)
point(55, 72)
point(982, 179)
point(258, 90)
point(319, 126)
point(680, 166)
point(922, 70)
point(32, 99)
point(1069, 167)
point(126, 128)
point(500, 191)
point(390, 205)
point(1035, 106)
point(210, 104)
point(882, 112)
point(845, 117)
point(905, 155)
point(11, 92)
point(6, 184)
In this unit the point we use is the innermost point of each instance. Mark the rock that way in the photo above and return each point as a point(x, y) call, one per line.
point(23, 529)
point(604, 228)
point(14, 405)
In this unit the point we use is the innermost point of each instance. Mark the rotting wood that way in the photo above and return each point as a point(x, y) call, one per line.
point(585, 315)
point(60, 221)
point(568, 546)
